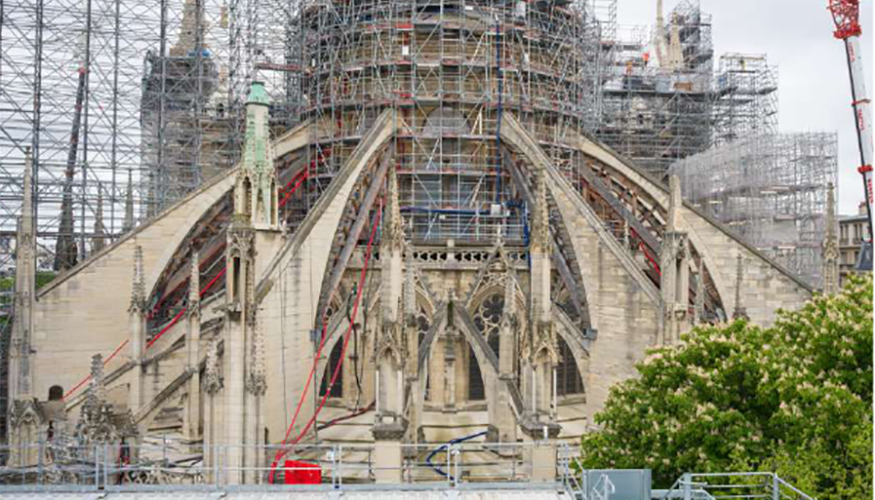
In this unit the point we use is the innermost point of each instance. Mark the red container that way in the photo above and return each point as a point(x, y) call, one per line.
point(298, 472)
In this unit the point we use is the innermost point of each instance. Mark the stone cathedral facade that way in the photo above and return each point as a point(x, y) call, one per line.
point(290, 302)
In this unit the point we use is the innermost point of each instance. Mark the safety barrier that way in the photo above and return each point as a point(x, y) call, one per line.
point(176, 465)
point(740, 485)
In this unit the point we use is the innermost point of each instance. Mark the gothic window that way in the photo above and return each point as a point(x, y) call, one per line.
point(487, 319)
point(567, 375)
point(422, 326)
point(333, 361)
point(488, 316)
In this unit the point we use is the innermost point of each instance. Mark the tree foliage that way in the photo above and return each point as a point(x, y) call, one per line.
point(795, 398)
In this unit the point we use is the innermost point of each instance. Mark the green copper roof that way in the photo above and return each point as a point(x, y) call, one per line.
point(258, 95)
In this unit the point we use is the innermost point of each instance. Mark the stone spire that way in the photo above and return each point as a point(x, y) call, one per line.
point(99, 240)
point(25, 290)
point(194, 285)
point(97, 390)
point(740, 312)
point(391, 249)
point(541, 214)
point(129, 206)
point(830, 247)
point(138, 286)
point(256, 190)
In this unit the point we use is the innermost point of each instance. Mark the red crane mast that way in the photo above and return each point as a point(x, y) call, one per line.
point(846, 16)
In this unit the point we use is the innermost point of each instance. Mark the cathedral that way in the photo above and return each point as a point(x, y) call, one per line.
point(418, 261)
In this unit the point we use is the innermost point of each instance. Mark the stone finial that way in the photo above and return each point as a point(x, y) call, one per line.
point(97, 389)
point(740, 312)
point(128, 223)
point(194, 285)
point(257, 176)
point(98, 242)
point(212, 380)
point(541, 214)
point(830, 247)
point(138, 287)
point(393, 224)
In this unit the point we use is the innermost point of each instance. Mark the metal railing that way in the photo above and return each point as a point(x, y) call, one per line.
point(732, 485)
point(49, 465)
point(56, 465)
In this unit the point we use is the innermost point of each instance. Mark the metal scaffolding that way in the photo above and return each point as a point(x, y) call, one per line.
point(745, 97)
point(771, 190)
point(658, 108)
point(656, 111)
point(448, 69)
point(104, 90)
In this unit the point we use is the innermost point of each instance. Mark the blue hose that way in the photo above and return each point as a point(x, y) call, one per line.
point(444, 447)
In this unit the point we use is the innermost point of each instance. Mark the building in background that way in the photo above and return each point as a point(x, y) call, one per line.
point(853, 233)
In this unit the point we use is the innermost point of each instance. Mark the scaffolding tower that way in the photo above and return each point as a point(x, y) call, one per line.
point(447, 69)
point(745, 97)
point(771, 190)
point(655, 113)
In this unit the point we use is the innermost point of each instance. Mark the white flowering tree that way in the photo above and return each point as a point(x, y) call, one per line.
point(795, 399)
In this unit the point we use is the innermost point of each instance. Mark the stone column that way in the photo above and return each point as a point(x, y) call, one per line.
point(411, 343)
point(192, 416)
point(505, 422)
point(212, 422)
point(255, 389)
point(137, 325)
point(675, 270)
point(238, 309)
point(540, 349)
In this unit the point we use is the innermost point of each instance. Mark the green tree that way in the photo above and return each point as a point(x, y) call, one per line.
point(795, 398)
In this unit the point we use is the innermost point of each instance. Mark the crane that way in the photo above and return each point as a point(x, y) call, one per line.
point(846, 16)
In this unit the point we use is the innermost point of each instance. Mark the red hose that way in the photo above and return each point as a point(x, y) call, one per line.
point(318, 356)
point(105, 361)
point(303, 176)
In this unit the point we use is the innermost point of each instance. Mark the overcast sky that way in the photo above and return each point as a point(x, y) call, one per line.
point(814, 90)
